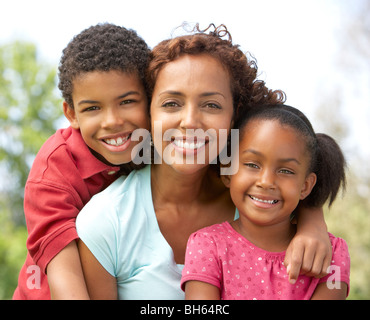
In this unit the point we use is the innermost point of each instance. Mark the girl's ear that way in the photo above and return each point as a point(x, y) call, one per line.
point(70, 114)
point(308, 185)
point(226, 180)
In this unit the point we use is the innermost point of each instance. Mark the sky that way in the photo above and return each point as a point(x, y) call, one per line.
point(295, 42)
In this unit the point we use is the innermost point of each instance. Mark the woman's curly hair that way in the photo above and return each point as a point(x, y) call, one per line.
point(246, 89)
point(103, 47)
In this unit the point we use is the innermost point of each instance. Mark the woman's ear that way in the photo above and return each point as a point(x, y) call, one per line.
point(70, 114)
point(308, 185)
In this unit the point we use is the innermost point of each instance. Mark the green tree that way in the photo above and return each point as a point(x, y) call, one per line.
point(30, 106)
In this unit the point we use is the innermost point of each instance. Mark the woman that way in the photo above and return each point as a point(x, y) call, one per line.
point(134, 234)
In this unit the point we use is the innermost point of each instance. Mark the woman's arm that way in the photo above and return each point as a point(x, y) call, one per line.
point(65, 277)
point(310, 250)
point(101, 285)
point(198, 290)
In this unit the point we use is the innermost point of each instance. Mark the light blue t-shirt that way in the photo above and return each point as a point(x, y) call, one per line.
point(120, 228)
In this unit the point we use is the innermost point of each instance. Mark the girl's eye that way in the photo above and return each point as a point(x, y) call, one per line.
point(251, 165)
point(286, 171)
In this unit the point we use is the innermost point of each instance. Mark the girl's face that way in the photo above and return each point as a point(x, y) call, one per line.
point(191, 102)
point(272, 176)
point(108, 107)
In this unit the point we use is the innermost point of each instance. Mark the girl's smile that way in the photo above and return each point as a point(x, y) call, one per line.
point(273, 173)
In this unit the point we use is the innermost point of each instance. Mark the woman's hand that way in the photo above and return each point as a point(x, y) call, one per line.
point(310, 250)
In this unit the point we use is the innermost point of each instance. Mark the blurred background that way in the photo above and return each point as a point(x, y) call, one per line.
point(317, 51)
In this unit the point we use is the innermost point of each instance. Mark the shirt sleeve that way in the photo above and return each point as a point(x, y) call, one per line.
point(201, 261)
point(339, 271)
point(50, 212)
point(97, 226)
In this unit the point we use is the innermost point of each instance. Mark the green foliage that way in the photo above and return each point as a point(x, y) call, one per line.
point(349, 219)
point(29, 108)
point(30, 105)
point(12, 255)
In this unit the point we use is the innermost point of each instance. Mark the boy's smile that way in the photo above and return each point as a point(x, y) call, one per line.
point(108, 107)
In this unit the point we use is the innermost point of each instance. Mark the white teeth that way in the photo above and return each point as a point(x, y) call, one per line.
point(264, 201)
point(116, 142)
point(189, 145)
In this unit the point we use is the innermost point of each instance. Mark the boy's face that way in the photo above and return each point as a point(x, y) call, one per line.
point(108, 107)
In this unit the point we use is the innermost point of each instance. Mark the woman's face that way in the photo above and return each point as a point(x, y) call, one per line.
point(191, 112)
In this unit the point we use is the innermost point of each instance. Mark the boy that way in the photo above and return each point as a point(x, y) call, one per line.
point(101, 77)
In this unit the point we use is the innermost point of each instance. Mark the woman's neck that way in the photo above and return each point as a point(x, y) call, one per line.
point(169, 186)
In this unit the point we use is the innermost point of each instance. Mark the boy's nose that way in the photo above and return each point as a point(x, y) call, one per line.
point(112, 118)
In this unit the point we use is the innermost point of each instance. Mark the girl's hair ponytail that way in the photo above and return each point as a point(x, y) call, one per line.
point(329, 165)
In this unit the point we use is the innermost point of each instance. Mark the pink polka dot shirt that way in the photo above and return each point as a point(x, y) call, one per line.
point(222, 257)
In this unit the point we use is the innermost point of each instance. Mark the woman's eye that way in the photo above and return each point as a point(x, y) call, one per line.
point(213, 106)
point(170, 104)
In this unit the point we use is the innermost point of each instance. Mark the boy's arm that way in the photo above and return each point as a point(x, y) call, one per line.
point(310, 251)
point(100, 283)
point(65, 276)
point(198, 290)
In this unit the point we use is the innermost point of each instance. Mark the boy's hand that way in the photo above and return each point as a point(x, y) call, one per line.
point(308, 255)
point(310, 250)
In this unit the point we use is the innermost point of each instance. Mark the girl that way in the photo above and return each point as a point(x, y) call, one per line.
point(282, 162)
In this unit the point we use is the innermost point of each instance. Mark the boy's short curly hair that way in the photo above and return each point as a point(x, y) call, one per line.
point(103, 47)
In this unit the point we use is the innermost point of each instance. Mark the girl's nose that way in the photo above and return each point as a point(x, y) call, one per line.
point(266, 179)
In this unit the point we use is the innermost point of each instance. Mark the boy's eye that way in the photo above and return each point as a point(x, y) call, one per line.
point(128, 101)
point(92, 108)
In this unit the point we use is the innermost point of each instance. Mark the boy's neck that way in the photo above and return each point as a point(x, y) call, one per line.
point(274, 238)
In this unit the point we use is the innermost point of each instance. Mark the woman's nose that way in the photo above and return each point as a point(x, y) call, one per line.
point(190, 117)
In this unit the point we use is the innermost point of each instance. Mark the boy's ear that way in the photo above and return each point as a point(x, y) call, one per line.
point(308, 185)
point(70, 115)
point(226, 180)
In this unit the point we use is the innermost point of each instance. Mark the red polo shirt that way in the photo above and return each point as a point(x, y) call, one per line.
point(64, 177)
